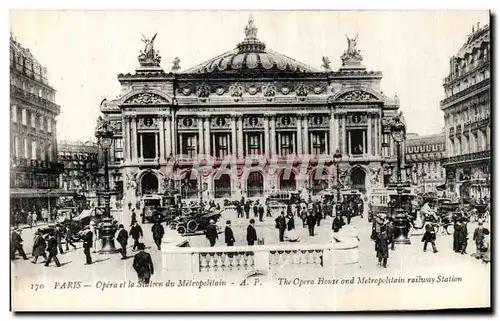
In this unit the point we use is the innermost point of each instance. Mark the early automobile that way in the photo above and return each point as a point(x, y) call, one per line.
point(195, 221)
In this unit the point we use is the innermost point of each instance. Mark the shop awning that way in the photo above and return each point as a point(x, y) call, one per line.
point(38, 193)
point(441, 187)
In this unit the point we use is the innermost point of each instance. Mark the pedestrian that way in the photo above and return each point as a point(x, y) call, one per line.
point(256, 209)
point(303, 216)
point(58, 234)
point(136, 233)
point(281, 226)
point(337, 223)
point(158, 232)
point(69, 236)
point(429, 237)
point(478, 238)
point(39, 246)
point(211, 233)
point(486, 247)
point(239, 210)
point(16, 243)
point(143, 264)
point(390, 231)
point(228, 234)
point(133, 217)
point(318, 215)
point(268, 211)
point(29, 219)
point(92, 227)
point(463, 238)
point(247, 209)
point(261, 213)
point(382, 246)
point(35, 218)
point(456, 236)
point(52, 249)
point(251, 233)
point(311, 222)
point(122, 239)
point(88, 240)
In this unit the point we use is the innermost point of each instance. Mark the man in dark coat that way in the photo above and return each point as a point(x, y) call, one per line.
point(69, 237)
point(382, 246)
point(58, 234)
point(17, 245)
point(337, 223)
point(136, 233)
point(281, 226)
point(52, 249)
point(158, 232)
point(38, 247)
point(246, 207)
point(256, 210)
point(133, 217)
point(478, 238)
point(228, 235)
point(211, 233)
point(251, 233)
point(318, 214)
point(429, 237)
point(311, 222)
point(456, 236)
point(390, 231)
point(239, 210)
point(143, 264)
point(463, 237)
point(261, 213)
point(122, 239)
point(88, 240)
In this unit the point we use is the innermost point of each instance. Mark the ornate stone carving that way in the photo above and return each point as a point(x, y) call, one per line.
point(236, 91)
point(285, 90)
point(130, 181)
point(149, 56)
point(286, 122)
point(352, 54)
point(326, 64)
point(116, 125)
point(186, 91)
point(176, 65)
point(220, 91)
point(148, 123)
point(301, 92)
point(376, 176)
point(269, 91)
point(203, 92)
point(252, 90)
point(220, 122)
point(318, 89)
point(357, 96)
point(146, 98)
point(253, 122)
point(187, 122)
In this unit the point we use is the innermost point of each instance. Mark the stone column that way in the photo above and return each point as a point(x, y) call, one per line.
point(233, 136)
point(266, 136)
point(349, 143)
point(141, 148)
point(332, 135)
point(377, 136)
point(173, 133)
point(201, 146)
point(126, 139)
point(133, 141)
point(240, 137)
point(273, 136)
point(157, 152)
point(162, 138)
point(294, 148)
point(207, 136)
point(364, 141)
point(369, 136)
point(261, 144)
point(306, 135)
point(344, 135)
point(299, 135)
point(168, 136)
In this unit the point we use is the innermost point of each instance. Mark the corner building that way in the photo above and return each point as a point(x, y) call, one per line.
point(467, 117)
point(250, 101)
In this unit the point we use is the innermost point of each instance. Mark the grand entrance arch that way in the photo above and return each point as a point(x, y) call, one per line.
point(358, 179)
point(317, 181)
point(189, 186)
point(287, 183)
point(149, 183)
point(222, 187)
point(255, 184)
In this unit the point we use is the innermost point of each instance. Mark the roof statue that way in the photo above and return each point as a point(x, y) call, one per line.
point(352, 54)
point(250, 30)
point(176, 64)
point(149, 56)
point(102, 124)
point(326, 63)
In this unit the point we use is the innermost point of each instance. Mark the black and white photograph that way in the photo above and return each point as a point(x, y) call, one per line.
point(211, 160)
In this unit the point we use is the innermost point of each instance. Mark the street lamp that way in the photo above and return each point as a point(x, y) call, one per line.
point(336, 158)
point(401, 221)
point(107, 232)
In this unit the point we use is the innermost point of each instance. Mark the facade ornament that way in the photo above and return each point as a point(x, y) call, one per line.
point(376, 172)
point(396, 99)
point(130, 181)
point(176, 65)
point(285, 90)
point(301, 92)
point(326, 64)
point(220, 91)
point(250, 29)
point(357, 95)
point(352, 54)
point(203, 92)
point(104, 125)
point(149, 56)
point(186, 91)
point(146, 98)
point(252, 90)
point(269, 91)
point(236, 91)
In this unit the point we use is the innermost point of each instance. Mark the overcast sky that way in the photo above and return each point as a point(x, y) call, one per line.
point(84, 51)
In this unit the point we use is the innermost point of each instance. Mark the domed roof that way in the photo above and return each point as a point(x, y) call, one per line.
point(251, 54)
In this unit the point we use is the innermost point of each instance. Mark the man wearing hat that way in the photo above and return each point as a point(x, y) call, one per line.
point(228, 234)
point(143, 264)
point(88, 239)
point(211, 233)
point(122, 239)
point(478, 238)
point(251, 233)
point(17, 244)
point(158, 232)
point(52, 249)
